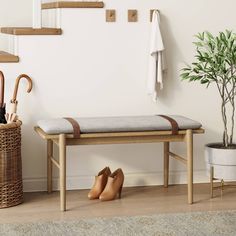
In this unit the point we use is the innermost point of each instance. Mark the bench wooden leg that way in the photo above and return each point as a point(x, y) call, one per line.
point(166, 164)
point(62, 159)
point(189, 141)
point(211, 180)
point(49, 164)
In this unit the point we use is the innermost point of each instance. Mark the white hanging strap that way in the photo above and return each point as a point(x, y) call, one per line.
point(37, 14)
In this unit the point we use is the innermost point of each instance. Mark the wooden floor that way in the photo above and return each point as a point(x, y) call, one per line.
point(135, 201)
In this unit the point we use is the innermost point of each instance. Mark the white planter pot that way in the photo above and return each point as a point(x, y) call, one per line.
point(223, 161)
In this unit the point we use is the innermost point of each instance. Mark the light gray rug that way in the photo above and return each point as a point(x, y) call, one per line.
point(181, 224)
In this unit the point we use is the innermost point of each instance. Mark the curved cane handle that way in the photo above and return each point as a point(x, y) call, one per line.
point(17, 85)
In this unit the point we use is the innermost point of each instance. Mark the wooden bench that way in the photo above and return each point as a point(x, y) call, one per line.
point(62, 140)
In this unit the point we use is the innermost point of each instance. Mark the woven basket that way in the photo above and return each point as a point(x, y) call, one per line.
point(11, 187)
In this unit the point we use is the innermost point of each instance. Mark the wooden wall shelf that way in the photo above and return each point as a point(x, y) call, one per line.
point(30, 31)
point(6, 57)
point(78, 4)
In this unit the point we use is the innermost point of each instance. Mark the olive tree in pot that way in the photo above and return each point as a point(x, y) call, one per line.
point(215, 65)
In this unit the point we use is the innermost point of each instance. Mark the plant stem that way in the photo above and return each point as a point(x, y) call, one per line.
point(224, 117)
point(232, 121)
point(233, 105)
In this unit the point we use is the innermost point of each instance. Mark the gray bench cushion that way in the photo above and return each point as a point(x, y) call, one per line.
point(116, 124)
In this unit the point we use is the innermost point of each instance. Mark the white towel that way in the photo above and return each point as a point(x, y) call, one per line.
point(157, 63)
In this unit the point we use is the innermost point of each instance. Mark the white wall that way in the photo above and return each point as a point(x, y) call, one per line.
point(100, 69)
point(14, 13)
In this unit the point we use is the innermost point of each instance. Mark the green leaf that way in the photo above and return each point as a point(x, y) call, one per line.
point(209, 35)
point(204, 81)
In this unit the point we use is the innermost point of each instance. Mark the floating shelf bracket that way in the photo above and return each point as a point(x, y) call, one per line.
point(37, 14)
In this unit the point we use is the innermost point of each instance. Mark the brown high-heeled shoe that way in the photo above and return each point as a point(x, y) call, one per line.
point(99, 184)
point(114, 186)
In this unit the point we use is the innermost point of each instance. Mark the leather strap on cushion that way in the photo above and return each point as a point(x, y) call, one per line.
point(174, 124)
point(75, 126)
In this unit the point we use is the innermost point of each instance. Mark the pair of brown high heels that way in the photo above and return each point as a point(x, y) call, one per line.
point(107, 185)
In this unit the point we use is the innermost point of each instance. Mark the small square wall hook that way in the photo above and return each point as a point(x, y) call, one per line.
point(132, 15)
point(111, 15)
point(151, 13)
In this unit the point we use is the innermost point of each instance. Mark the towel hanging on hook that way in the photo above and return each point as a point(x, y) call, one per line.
point(151, 13)
point(157, 63)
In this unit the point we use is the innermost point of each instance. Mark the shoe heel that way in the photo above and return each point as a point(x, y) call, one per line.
point(120, 190)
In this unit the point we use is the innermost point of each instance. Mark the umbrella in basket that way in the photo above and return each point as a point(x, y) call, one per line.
point(2, 104)
point(12, 116)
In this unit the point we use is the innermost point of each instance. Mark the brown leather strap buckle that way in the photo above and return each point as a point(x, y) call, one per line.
point(174, 124)
point(75, 126)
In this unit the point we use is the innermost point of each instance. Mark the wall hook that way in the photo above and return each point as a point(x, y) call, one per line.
point(110, 15)
point(132, 15)
point(151, 13)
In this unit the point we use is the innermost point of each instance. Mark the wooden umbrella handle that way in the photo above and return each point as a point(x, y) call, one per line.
point(1, 88)
point(30, 86)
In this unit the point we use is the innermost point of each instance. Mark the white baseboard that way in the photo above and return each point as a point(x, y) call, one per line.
point(131, 180)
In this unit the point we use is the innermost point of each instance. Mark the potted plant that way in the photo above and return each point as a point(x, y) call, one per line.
point(215, 65)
